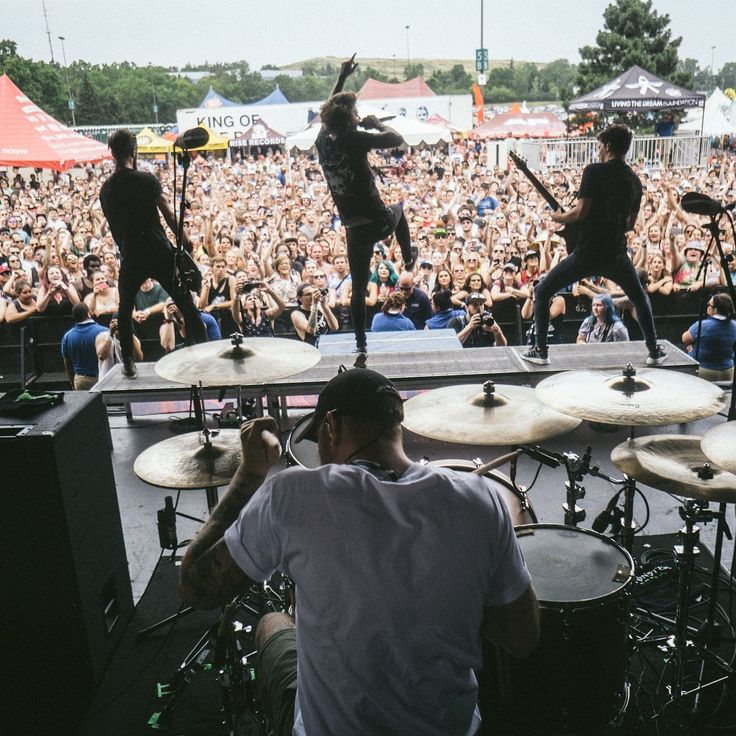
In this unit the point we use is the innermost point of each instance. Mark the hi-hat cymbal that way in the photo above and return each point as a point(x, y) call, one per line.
point(187, 462)
point(676, 464)
point(645, 397)
point(719, 446)
point(224, 363)
point(484, 415)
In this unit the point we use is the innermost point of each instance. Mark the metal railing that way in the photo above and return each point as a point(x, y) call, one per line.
point(650, 151)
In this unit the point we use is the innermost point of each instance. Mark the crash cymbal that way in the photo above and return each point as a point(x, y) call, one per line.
point(224, 363)
point(676, 464)
point(484, 415)
point(186, 462)
point(719, 446)
point(643, 397)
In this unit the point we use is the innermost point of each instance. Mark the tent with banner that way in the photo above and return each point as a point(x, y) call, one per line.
point(259, 134)
point(637, 90)
point(521, 123)
point(214, 100)
point(414, 132)
point(31, 137)
point(152, 144)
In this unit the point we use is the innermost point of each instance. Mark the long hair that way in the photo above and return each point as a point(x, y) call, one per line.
point(610, 315)
point(337, 112)
point(393, 277)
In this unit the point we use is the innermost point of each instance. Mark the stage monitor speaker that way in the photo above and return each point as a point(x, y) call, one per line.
point(65, 596)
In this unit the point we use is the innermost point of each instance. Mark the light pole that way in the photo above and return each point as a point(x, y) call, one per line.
point(68, 86)
point(408, 55)
point(712, 66)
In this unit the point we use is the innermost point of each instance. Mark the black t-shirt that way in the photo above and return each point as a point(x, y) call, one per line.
point(351, 180)
point(615, 191)
point(128, 199)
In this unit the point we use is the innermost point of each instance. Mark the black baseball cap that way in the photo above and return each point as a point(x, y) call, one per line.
point(355, 392)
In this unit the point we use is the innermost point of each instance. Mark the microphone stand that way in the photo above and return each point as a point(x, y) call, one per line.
point(185, 159)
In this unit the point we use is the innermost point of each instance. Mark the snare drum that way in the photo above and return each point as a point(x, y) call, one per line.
point(576, 679)
point(518, 504)
point(299, 451)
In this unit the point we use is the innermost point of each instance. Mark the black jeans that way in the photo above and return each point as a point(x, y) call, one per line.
point(360, 248)
point(156, 261)
point(616, 266)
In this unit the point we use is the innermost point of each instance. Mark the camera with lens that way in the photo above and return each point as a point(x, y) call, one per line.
point(729, 257)
point(324, 292)
point(486, 319)
point(248, 286)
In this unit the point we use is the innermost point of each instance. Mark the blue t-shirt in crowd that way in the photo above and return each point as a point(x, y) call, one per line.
point(487, 204)
point(391, 323)
point(440, 320)
point(78, 347)
point(715, 350)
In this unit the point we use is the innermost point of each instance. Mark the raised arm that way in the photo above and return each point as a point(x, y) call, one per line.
point(346, 69)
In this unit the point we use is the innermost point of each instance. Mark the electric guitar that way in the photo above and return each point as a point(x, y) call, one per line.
point(569, 231)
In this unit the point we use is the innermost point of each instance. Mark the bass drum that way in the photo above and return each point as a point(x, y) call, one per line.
point(519, 505)
point(299, 451)
point(575, 681)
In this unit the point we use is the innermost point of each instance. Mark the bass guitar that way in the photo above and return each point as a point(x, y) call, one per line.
point(571, 230)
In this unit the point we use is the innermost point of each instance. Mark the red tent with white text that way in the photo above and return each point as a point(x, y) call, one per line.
point(31, 137)
point(518, 123)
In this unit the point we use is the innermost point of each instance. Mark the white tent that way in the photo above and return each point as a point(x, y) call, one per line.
point(414, 132)
point(715, 119)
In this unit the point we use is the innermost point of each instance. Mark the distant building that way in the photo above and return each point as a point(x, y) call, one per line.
point(271, 74)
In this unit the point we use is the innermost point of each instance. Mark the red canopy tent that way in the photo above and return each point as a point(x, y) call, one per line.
point(518, 124)
point(31, 137)
point(372, 89)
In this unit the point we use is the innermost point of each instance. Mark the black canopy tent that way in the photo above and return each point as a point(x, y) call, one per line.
point(637, 90)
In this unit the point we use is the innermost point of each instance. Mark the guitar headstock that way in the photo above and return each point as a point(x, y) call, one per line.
point(520, 161)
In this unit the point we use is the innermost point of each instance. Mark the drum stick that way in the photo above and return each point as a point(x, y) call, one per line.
point(502, 460)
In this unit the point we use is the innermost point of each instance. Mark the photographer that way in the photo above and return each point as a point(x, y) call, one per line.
point(109, 353)
point(251, 311)
point(477, 328)
point(173, 333)
point(313, 317)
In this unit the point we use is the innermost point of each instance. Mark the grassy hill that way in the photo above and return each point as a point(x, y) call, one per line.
point(395, 66)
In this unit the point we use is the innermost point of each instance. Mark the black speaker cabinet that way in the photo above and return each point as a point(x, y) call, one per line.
point(65, 596)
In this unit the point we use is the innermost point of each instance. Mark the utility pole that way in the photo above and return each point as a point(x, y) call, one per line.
point(48, 32)
point(712, 66)
point(408, 55)
point(68, 86)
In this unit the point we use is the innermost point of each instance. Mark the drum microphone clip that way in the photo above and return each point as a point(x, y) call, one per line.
point(610, 516)
point(550, 459)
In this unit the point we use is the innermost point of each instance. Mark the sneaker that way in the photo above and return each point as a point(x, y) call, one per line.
point(129, 369)
point(656, 356)
point(411, 262)
point(361, 356)
point(536, 355)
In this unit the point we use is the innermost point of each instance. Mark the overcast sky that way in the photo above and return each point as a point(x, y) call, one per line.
point(283, 31)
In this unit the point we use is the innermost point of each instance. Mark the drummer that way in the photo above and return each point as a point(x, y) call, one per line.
point(398, 568)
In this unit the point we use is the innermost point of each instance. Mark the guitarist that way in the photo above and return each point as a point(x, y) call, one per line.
point(131, 201)
point(607, 206)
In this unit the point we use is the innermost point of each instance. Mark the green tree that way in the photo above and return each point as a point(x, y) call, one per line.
point(413, 70)
point(727, 76)
point(633, 33)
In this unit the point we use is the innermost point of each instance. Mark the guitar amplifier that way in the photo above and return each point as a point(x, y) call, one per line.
point(66, 596)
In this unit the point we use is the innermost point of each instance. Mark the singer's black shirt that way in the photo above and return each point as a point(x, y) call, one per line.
point(128, 199)
point(351, 180)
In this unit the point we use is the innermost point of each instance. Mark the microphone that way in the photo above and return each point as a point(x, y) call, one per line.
point(701, 204)
point(166, 522)
point(192, 138)
point(607, 516)
point(551, 460)
point(380, 120)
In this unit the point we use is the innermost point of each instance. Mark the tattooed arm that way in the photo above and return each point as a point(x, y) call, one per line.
point(209, 575)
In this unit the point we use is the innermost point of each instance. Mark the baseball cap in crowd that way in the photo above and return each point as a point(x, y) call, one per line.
point(4, 268)
point(466, 217)
point(531, 254)
point(474, 296)
point(378, 248)
point(440, 231)
point(354, 392)
point(510, 267)
point(425, 264)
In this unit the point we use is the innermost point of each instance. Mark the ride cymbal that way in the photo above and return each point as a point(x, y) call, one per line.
point(675, 463)
point(484, 415)
point(186, 462)
point(238, 362)
point(719, 446)
point(647, 397)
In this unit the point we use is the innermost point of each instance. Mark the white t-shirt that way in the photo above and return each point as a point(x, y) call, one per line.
point(392, 579)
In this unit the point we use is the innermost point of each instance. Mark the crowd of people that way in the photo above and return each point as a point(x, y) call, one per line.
point(272, 249)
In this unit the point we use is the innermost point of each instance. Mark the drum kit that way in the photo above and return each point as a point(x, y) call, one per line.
point(583, 578)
